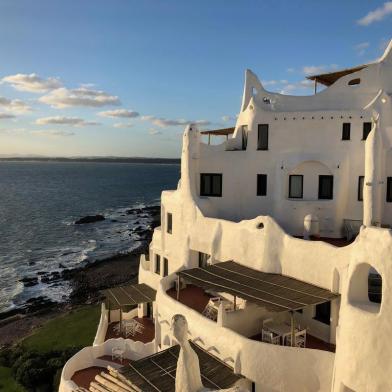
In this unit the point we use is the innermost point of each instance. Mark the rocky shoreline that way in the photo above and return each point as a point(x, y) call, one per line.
point(86, 282)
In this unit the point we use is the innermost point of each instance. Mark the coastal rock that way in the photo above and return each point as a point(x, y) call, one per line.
point(29, 281)
point(90, 219)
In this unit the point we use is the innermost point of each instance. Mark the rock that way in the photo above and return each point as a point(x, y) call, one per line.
point(90, 219)
point(28, 282)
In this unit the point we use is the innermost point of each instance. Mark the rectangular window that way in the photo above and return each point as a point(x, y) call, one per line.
point(389, 189)
point(261, 185)
point(325, 187)
point(169, 222)
point(323, 313)
point(244, 130)
point(158, 264)
point(346, 131)
point(211, 184)
point(203, 259)
point(165, 266)
point(360, 188)
point(367, 127)
point(262, 140)
point(296, 186)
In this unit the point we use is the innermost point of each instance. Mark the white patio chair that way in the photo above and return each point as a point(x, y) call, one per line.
point(210, 312)
point(118, 353)
point(269, 337)
point(299, 339)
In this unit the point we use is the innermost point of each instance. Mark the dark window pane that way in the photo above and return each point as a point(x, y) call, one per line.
point(262, 141)
point(367, 127)
point(157, 264)
point(323, 313)
point(346, 131)
point(169, 222)
point(325, 187)
point(360, 188)
point(210, 184)
point(165, 266)
point(203, 259)
point(261, 185)
point(296, 186)
point(244, 136)
point(389, 189)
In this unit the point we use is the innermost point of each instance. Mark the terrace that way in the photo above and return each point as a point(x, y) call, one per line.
point(266, 307)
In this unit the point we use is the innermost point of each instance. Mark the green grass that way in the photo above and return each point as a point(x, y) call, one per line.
point(7, 383)
point(74, 329)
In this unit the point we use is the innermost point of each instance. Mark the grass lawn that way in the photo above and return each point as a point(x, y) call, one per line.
point(7, 383)
point(74, 329)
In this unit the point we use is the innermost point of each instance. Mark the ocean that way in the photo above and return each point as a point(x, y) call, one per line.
point(39, 203)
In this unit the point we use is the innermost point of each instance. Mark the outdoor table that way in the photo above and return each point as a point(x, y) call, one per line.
point(280, 329)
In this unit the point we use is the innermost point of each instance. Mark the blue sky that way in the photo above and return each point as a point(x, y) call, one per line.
point(121, 77)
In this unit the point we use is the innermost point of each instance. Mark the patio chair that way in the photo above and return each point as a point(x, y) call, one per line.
point(299, 339)
point(210, 312)
point(269, 337)
point(118, 353)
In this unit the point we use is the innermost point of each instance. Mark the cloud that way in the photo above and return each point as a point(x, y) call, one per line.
point(303, 86)
point(31, 82)
point(315, 69)
point(5, 116)
point(164, 122)
point(123, 125)
point(14, 105)
point(122, 113)
point(82, 96)
point(377, 15)
point(60, 120)
point(361, 48)
point(229, 118)
point(52, 133)
point(290, 70)
point(154, 132)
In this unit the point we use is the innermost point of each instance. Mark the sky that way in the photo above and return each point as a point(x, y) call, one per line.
point(124, 77)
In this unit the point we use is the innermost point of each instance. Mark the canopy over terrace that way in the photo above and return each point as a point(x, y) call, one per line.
point(127, 297)
point(275, 292)
point(329, 78)
point(157, 372)
point(218, 132)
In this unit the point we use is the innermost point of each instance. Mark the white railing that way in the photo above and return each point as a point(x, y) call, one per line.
point(89, 356)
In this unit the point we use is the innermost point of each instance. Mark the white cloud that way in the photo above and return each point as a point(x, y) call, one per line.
point(122, 113)
point(303, 86)
point(164, 122)
point(14, 105)
point(376, 15)
point(361, 48)
point(316, 69)
point(32, 83)
point(123, 125)
point(6, 116)
point(154, 132)
point(52, 133)
point(229, 118)
point(60, 120)
point(290, 70)
point(82, 96)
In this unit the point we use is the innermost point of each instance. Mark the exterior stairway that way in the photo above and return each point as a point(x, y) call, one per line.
point(111, 381)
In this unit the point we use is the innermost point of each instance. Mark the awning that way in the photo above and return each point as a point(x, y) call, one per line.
point(128, 296)
point(157, 372)
point(219, 132)
point(331, 77)
point(275, 292)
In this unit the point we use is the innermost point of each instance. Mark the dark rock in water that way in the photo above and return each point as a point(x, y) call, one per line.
point(38, 303)
point(113, 220)
point(90, 219)
point(62, 266)
point(53, 277)
point(28, 282)
point(31, 263)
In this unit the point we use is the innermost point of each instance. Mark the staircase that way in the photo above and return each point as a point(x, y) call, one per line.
point(111, 381)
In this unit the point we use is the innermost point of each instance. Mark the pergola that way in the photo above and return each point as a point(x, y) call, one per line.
point(331, 77)
point(274, 292)
point(126, 297)
point(218, 132)
point(157, 373)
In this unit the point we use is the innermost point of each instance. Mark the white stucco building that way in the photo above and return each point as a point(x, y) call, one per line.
point(318, 166)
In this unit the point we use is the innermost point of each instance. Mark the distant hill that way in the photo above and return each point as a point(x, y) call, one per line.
point(93, 159)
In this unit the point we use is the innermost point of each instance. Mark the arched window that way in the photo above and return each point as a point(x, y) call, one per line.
point(365, 290)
